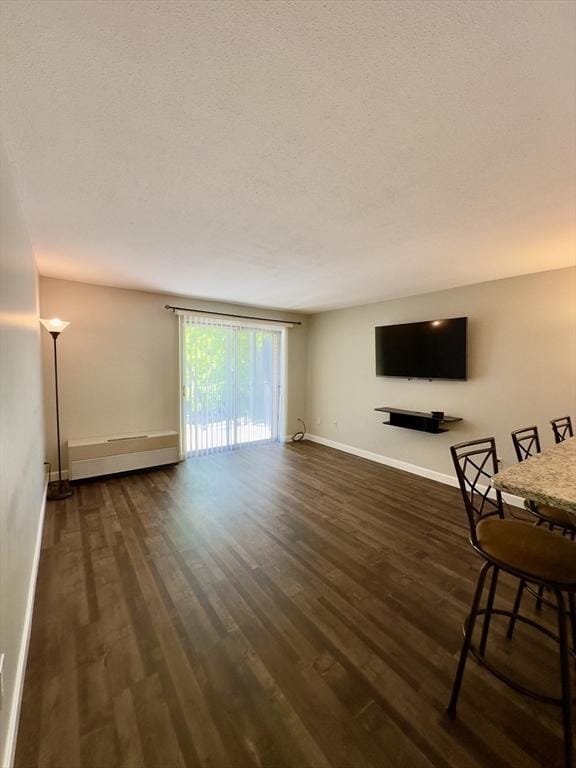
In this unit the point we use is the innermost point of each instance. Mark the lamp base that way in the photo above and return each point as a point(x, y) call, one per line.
point(59, 489)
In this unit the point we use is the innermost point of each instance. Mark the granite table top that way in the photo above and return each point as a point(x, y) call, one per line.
point(548, 478)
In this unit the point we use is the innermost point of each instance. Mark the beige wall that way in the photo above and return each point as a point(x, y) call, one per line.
point(118, 360)
point(521, 367)
point(21, 447)
point(119, 365)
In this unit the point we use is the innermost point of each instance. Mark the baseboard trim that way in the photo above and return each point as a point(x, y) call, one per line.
point(405, 466)
point(14, 712)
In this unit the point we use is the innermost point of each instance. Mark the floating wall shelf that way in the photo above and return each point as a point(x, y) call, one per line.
point(418, 420)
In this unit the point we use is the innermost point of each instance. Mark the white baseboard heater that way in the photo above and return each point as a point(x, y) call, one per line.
point(95, 456)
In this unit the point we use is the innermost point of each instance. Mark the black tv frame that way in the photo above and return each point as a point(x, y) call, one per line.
point(423, 378)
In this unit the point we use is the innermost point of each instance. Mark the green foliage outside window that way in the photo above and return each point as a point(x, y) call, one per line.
point(209, 354)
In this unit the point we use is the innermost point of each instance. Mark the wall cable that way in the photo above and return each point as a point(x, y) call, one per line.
point(298, 436)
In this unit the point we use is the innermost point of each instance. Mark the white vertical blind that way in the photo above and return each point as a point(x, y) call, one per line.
point(231, 384)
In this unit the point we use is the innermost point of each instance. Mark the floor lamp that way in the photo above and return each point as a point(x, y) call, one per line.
point(58, 489)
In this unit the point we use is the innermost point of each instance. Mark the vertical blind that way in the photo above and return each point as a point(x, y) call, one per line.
point(231, 384)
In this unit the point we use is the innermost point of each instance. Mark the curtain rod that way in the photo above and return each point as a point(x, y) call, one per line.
point(228, 314)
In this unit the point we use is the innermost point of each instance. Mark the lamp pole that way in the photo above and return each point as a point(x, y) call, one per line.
point(55, 335)
point(57, 489)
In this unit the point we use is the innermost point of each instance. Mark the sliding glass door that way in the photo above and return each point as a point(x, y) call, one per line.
point(231, 384)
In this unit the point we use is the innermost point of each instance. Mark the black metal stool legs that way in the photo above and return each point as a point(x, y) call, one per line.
point(488, 614)
point(515, 609)
point(565, 675)
point(467, 639)
point(572, 611)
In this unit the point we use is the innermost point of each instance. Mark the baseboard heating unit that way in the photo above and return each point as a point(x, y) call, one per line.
point(95, 456)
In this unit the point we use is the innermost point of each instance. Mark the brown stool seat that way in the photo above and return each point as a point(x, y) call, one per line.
point(558, 516)
point(535, 552)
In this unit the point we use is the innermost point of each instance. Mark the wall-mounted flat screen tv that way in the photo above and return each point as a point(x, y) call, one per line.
point(435, 349)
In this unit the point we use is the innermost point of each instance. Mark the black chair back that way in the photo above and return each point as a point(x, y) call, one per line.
point(476, 462)
point(526, 442)
point(562, 429)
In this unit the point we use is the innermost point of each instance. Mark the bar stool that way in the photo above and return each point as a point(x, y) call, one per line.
point(526, 552)
point(527, 444)
point(562, 429)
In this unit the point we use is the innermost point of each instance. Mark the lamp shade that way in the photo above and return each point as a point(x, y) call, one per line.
point(55, 325)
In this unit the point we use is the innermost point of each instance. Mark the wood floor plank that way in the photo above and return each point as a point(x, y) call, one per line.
point(275, 607)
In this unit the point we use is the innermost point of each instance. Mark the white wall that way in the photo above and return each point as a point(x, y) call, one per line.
point(21, 450)
point(118, 360)
point(521, 367)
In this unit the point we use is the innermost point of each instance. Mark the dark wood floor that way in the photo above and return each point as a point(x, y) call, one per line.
point(271, 607)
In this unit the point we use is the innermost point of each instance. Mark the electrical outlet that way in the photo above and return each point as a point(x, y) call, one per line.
point(335, 424)
point(318, 420)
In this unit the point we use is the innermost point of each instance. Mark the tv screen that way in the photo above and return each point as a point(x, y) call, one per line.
point(435, 349)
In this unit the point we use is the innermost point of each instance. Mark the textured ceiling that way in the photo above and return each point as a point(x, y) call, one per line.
point(292, 154)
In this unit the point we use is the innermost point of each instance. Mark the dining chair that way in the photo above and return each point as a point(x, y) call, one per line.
point(562, 429)
point(527, 552)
